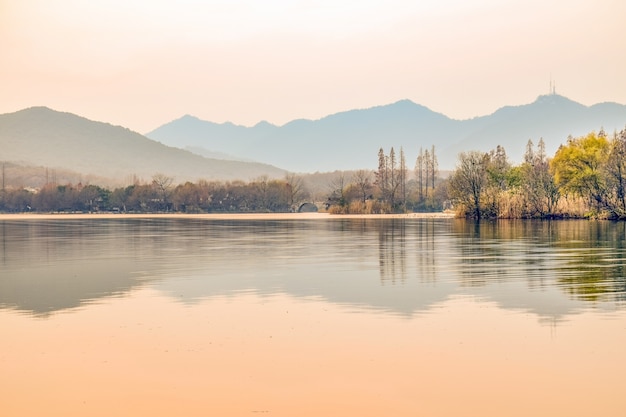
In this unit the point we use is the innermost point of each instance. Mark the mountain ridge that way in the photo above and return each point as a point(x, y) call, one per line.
point(350, 139)
point(40, 136)
point(189, 148)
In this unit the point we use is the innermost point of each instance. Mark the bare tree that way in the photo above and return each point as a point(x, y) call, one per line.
point(419, 174)
point(262, 185)
point(469, 180)
point(163, 186)
point(434, 166)
point(362, 180)
point(402, 178)
point(296, 189)
point(338, 189)
point(427, 170)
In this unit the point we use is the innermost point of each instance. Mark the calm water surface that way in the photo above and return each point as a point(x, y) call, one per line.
point(327, 317)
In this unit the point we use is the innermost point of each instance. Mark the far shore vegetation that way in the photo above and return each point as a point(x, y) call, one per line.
point(586, 178)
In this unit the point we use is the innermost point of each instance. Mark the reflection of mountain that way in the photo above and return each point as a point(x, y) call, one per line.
point(398, 266)
point(46, 288)
point(51, 266)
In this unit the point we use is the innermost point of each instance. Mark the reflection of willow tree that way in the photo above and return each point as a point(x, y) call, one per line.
point(593, 282)
point(596, 269)
point(585, 259)
point(392, 250)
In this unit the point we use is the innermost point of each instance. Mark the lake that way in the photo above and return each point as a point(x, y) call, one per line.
point(326, 317)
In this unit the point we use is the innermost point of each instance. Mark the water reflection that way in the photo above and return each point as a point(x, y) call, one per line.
point(51, 266)
point(399, 266)
point(583, 258)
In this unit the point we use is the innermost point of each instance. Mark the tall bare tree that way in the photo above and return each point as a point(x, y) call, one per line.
point(419, 175)
point(296, 189)
point(382, 174)
point(163, 187)
point(434, 166)
point(362, 180)
point(402, 173)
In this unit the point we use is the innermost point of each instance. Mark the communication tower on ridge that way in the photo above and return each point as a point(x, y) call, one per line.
point(552, 86)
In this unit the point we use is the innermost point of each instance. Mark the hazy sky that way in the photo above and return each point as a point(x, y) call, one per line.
point(143, 63)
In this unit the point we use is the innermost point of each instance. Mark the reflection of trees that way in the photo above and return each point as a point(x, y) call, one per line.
point(595, 264)
point(426, 251)
point(585, 259)
point(51, 265)
point(397, 238)
point(483, 252)
point(392, 250)
point(3, 243)
point(48, 266)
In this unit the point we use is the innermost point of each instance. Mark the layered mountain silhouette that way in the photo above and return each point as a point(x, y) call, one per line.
point(189, 149)
point(39, 136)
point(351, 139)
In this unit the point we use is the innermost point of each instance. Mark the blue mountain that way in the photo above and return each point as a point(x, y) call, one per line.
point(351, 139)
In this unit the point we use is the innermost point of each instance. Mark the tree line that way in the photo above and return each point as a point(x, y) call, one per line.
point(392, 188)
point(586, 178)
point(161, 195)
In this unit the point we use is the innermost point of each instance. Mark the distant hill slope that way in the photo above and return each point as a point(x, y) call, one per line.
point(40, 136)
point(351, 139)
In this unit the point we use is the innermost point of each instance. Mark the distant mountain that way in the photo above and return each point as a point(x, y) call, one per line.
point(40, 136)
point(351, 139)
point(551, 117)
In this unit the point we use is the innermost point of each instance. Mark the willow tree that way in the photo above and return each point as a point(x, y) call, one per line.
point(578, 168)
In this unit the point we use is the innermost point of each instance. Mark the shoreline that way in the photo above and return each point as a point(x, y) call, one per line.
point(220, 216)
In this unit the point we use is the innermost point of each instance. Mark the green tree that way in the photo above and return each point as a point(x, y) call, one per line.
point(578, 168)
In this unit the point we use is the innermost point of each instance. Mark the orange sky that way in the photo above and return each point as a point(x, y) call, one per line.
point(143, 63)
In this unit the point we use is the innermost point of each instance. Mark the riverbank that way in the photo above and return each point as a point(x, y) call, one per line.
point(220, 216)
